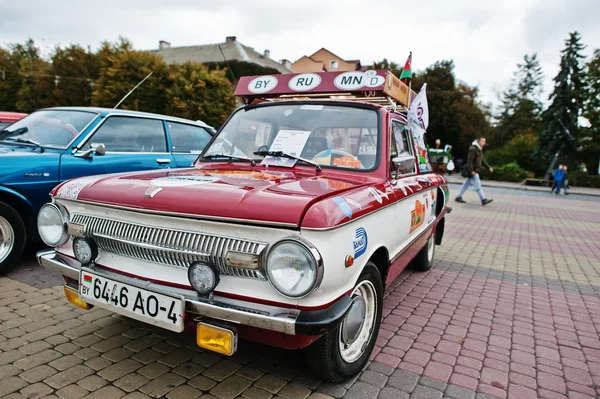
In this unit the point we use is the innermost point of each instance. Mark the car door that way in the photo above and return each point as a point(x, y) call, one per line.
point(187, 142)
point(131, 144)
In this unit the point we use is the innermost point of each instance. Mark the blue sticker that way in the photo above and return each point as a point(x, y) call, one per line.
point(360, 242)
point(344, 206)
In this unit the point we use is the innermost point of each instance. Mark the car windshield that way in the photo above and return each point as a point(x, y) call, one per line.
point(51, 128)
point(330, 135)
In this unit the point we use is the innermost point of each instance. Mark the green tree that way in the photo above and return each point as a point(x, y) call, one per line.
point(521, 106)
point(566, 107)
point(121, 69)
point(35, 80)
point(10, 80)
point(390, 66)
point(589, 139)
point(455, 115)
point(76, 69)
point(195, 93)
point(241, 68)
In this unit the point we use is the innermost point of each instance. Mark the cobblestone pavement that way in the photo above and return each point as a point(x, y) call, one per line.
point(511, 309)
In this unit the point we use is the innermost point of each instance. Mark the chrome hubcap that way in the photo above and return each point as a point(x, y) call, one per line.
point(355, 336)
point(7, 239)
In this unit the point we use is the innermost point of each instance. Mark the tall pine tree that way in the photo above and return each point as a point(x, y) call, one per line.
point(589, 140)
point(566, 107)
point(521, 106)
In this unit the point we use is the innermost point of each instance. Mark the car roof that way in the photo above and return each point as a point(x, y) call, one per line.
point(112, 111)
point(11, 116)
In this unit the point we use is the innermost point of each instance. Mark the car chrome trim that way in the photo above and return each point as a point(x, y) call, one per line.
point(261, 223)
point(256, 315)
point(169, 246)
point(82, 130)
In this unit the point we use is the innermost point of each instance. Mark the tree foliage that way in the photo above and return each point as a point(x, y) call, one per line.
point(75, 69)
point(566, 106)
point(521, 105)
point(194, 92)
point(589, 139)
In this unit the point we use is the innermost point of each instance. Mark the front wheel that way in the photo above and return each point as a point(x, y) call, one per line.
point(12, 236)
point(342, 353)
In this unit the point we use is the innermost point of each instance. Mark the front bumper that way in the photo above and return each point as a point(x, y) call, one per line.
point(272, 318)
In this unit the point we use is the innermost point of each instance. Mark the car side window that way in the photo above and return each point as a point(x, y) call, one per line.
point(129, 134)
point(400, 142)
point(187, 139)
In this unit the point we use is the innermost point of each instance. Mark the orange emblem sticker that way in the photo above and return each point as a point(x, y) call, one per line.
point(417, 216)
point(347, 162)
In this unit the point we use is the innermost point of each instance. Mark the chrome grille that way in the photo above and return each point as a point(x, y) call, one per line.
point(168, 246)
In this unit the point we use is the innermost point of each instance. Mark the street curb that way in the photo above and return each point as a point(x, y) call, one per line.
point(525, 189)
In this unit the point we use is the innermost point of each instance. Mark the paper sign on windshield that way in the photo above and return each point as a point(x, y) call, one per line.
point(290, 142)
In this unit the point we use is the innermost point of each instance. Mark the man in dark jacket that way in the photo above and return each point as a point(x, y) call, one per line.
point(471, 171)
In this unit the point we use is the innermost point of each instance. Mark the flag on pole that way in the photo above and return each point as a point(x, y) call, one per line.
point(419, 110)
point(406, 73)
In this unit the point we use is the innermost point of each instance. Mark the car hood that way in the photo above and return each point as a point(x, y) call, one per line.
point(250, 195)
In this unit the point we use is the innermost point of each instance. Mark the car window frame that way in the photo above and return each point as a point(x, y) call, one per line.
point(91, 135)
point(410, 144)
point(170, 137)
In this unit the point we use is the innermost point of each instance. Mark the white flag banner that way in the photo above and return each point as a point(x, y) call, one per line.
point(419, 110)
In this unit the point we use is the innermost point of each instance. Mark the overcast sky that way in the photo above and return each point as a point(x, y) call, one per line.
point(485, 38)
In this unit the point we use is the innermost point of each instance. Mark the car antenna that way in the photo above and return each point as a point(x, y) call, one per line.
point(227, 63)
point(131, 91)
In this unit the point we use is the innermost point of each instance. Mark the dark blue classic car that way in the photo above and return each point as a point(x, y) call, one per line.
point(56, 144)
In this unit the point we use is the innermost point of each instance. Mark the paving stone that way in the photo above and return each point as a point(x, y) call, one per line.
point(373, 378)
point(35, 347)
point(119, 369)
point(142, 343)
point(458, 392)
point(270, 383)
point(107, 392)
point(38, 373)
point(403, 380)
point(147, 356)
point(65, 362)
point(92, 383)
point(184, 392)
point(334, 390)
point(71, 392)
point(231, 387)
point(69, 376)
point(188, 369)
point(11, 384)
point(8, 370)
point(35, 391)
point(153, 370)
point(202, 383)
point(294, 391)
point(362, 390)
point(86, 353)
point(37, 359)
point(221, 370)
point(392, 393)
point(131, 382)
point(161, 385)
point(98, 363)
point(118, 354)
point(423, 392)
point(111, 343)
point(10, 356)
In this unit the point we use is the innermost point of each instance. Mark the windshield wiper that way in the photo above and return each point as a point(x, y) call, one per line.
point(25, 140)
point(286, 155)
point(212, 156)
point(5, 133)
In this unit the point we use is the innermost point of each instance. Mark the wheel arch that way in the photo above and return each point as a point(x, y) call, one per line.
point(21, 205)
point(381, 259)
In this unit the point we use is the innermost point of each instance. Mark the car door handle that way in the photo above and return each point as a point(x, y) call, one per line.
point(162, 161)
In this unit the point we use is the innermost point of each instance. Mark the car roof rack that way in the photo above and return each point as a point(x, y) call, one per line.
point(379, 87)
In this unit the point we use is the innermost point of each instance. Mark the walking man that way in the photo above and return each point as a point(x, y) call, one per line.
point(471, 171)
point(559, 178)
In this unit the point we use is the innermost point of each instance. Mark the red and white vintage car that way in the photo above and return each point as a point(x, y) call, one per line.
point(303, 207)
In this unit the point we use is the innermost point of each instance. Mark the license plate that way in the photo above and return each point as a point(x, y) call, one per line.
point(140, 304)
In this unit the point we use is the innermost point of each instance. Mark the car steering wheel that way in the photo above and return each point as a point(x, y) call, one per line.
point(340, 154)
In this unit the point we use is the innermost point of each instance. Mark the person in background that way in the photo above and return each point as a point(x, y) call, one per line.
point(471, 171)
point(565, 180)
point(450, 167)
point(559, 175)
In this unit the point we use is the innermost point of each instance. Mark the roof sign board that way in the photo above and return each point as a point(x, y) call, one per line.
point(366, 84)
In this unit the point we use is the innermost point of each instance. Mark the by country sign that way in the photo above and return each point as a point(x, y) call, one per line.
point(367, 83)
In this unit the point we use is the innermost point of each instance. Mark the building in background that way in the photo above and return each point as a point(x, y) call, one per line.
point(242, 59)
point(324, 61)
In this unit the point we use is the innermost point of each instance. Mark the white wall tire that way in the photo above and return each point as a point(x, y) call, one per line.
point(333, 359)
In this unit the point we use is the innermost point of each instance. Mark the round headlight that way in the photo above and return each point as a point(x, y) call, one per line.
point(203, 277)
point(85, 250)
point(293, 269)
point(52, 225)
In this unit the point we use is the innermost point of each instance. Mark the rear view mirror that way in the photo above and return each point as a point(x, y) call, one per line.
point(404, 163)
point(99, 149)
